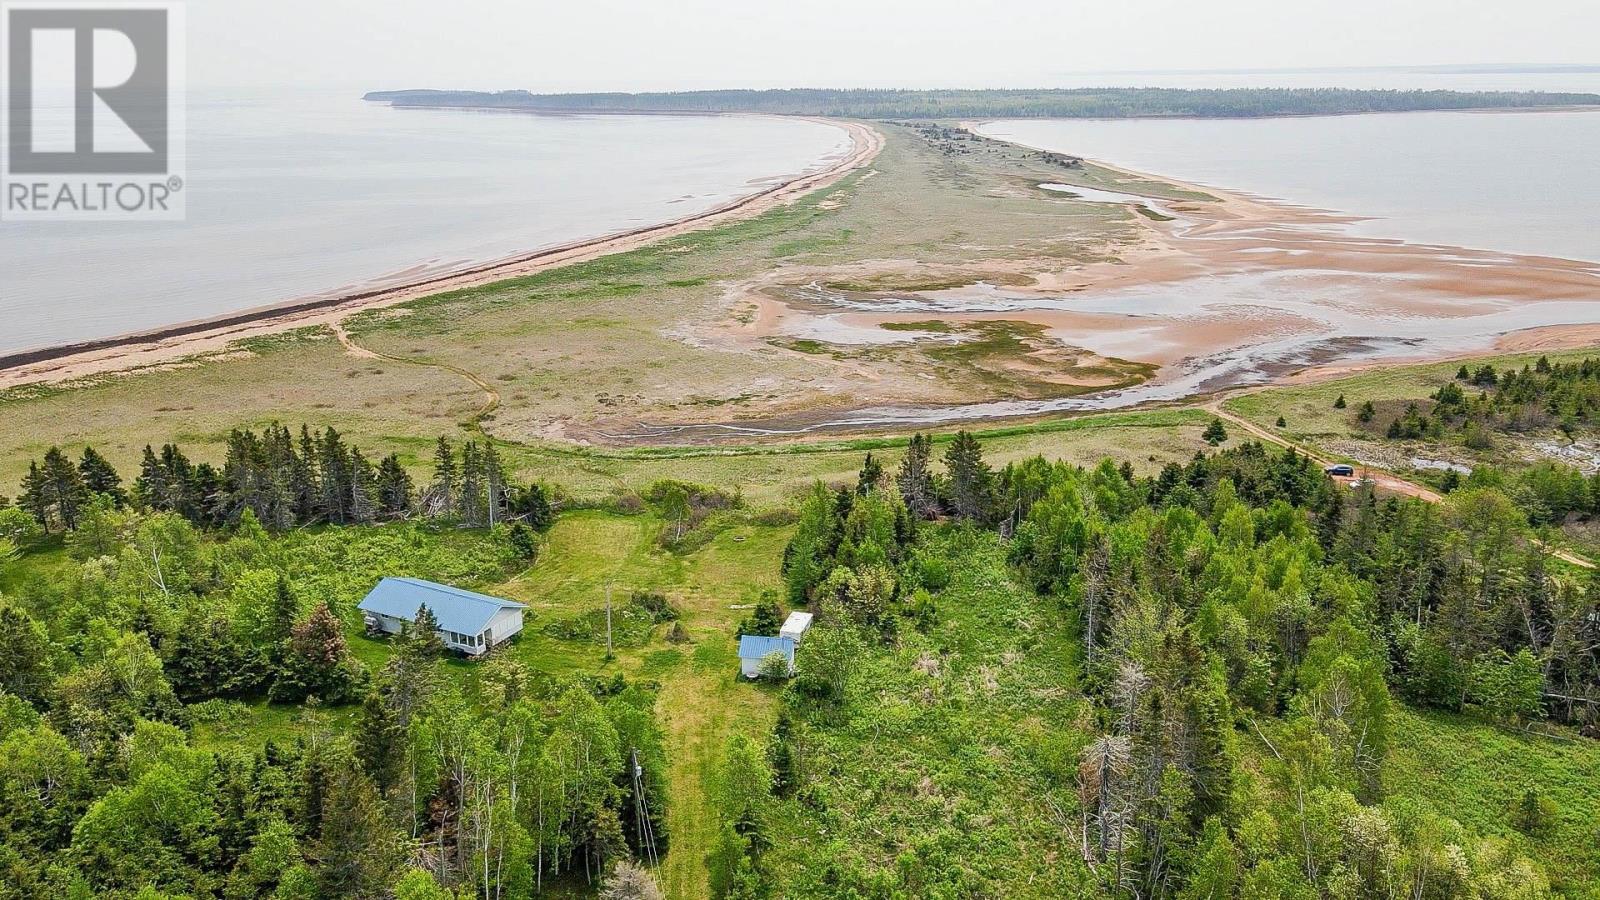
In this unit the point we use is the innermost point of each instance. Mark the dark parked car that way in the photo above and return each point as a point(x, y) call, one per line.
point(1341, 470)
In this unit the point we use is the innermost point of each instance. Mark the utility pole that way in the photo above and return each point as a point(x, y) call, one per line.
point(608, 618)
point(645, 831)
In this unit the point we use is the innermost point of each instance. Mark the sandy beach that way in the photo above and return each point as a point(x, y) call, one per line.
point(170, 344)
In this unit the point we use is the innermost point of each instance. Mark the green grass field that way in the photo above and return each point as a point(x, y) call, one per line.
point(1473, 771)
point(955, 750)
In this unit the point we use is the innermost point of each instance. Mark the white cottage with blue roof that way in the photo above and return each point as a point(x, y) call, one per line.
point(470, 622)
point(753, 649)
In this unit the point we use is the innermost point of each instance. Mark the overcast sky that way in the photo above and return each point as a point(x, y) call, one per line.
point(687, 44)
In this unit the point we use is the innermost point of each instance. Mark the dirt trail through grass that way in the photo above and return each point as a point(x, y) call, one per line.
point(1385, 481)
point(491, 396)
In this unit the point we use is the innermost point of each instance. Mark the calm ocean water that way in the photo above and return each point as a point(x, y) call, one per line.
point(292, 195)
point(1521, 182)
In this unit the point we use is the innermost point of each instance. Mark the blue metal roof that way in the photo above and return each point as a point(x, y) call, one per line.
point(757, 647)
point(463, 612)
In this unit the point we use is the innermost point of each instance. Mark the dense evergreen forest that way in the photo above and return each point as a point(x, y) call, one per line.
point(1038, 681)
point(1116, 103)
point(1227, 646)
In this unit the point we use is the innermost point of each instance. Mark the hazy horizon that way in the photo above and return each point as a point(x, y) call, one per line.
point(707, 44)
point(1463, 69)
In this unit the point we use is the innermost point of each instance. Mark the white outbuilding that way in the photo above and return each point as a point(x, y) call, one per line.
point(795, 627)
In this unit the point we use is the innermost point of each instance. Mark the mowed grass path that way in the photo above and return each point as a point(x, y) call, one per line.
point(701, 701)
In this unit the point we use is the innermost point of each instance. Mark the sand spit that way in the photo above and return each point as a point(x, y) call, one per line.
point(1222, 276)
point(165, 346)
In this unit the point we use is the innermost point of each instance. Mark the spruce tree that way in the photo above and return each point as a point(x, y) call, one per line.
point(380, 742)
point(333, 461)
point(1449, 481)
point(523, 541)
point(248, 482)
point(871, 476)
point(284, 612)
point(304, 488)
point(100, 478)
point(442, 492)
point(914, 479)
point(35, 497)
point(150, 488)
point(532, 505)
point(423, 635)
point(394, 487)
point(202, 496)
point(494, 485)
point(1215, 433)
point(971, 482)
point(180, 475)
point(363, 508)
point(60, 487)
point(411, 673)
point(164, 482)
point(471, 500)
point(359, 851)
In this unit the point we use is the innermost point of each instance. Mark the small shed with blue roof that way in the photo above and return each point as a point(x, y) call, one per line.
point(754, 649)
point(469, 622)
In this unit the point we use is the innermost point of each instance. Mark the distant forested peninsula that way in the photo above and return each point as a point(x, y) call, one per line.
point(955, 104)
